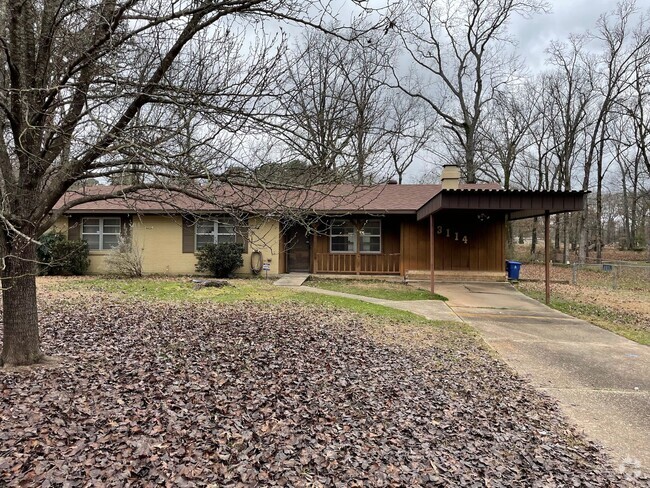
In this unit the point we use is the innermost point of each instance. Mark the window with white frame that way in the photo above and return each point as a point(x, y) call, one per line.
point(370, 237)
point(344, 237)
point(214, 232)
point(101, 233)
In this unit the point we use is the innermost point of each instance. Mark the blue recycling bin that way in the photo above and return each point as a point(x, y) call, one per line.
point(512, 269)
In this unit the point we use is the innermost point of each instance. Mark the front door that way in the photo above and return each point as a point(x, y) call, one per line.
point(297, 246)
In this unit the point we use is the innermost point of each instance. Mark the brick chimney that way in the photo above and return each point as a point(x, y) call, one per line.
point(450, 177)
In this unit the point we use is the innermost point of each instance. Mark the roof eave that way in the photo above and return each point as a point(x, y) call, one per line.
point(518, 204)
point(75, 211)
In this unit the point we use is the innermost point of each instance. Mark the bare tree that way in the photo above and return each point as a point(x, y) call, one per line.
point(410, 128)
point(370, 101)
point(569, 88)
point(334, 103)
point(624, 46)
point(627, 158)
point(89, 88)
point(461, 48)
point(505, 138)
point(506, 132)
point(315, 104)
point(636, 105)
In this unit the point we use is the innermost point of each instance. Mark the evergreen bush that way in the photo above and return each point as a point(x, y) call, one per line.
point(59, 256)
point(221, 260)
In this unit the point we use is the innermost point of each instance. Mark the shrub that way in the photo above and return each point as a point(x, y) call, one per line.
point(125, 259)
point(59, 256)
point(221, 260)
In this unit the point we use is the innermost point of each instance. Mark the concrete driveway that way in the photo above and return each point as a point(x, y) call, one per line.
point(601, 380)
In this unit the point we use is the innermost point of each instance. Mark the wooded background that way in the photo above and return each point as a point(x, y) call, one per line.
point(444, 83)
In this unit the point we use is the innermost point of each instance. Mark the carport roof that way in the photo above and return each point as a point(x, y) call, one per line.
point(516, 204)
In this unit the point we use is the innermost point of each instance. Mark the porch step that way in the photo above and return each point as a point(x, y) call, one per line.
point(292, 279)
point(456, 276)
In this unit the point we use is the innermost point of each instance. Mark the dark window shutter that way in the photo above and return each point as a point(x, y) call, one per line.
point(126, 222)
point(74, 228)
point(241, 234)
point(188, 235)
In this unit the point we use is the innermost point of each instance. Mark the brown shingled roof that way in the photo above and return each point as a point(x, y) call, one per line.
point(385, 199)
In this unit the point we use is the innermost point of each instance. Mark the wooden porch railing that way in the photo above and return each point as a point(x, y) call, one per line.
point(356, 263)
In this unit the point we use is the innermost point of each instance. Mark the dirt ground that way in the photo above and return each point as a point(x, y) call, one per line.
point(521, 252)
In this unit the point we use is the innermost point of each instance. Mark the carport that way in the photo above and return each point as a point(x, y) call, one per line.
point(506, 204)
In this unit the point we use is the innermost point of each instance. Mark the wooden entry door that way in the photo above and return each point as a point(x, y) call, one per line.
point(298, 250)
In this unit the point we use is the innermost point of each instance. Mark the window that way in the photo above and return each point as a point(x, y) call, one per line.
point(370, 235)
point(101, 233)
point(214, 232)
point(343, 237)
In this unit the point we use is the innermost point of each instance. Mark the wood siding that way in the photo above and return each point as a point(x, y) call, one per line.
point(405, 246)
point(484, 250)
point(415, 245)
point(385, 262)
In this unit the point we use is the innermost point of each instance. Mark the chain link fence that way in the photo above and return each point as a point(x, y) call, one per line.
point(631, 275)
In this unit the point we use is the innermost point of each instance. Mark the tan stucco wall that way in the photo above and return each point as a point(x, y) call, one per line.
point(264, 236)
point(160, 239)
point(61, 225)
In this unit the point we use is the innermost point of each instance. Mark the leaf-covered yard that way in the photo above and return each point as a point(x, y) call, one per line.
point(251, 393)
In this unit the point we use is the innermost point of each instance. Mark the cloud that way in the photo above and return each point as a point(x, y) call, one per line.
point(566, 17)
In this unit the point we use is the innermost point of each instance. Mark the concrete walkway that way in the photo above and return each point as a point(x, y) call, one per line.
point(291, 279)
point(601, 380)
point(430, 309)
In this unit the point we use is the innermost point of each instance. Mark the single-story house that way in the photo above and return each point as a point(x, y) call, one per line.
point(384, 229)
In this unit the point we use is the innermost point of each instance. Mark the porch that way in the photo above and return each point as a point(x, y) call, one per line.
point(359, 264)
point(354, 245)
point(399, 245)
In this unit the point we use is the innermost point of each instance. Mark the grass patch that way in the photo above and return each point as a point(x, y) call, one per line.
point(165, 289)
point(598, 315)
point(376, 289)
point(357, 306)
point(252, 291)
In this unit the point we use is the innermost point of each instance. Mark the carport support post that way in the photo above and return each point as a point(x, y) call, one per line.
point(432, 236)
point(547, 255)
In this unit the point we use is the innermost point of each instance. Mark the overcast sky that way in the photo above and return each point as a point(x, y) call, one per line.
point(533, 36)
point(566, 17)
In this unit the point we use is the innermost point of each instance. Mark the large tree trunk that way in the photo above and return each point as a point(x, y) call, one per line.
point(634, 212)
point(533, 238)
point(647, 234)
point(626, 215)
point(565, 238)
point(470, 157)
point(599, 196)
point(510, 240)
point(599, 217)
point(556, 241)
point(582, 233)
point(21, 344)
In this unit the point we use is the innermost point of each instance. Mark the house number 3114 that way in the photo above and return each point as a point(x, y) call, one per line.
point(450, 233)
